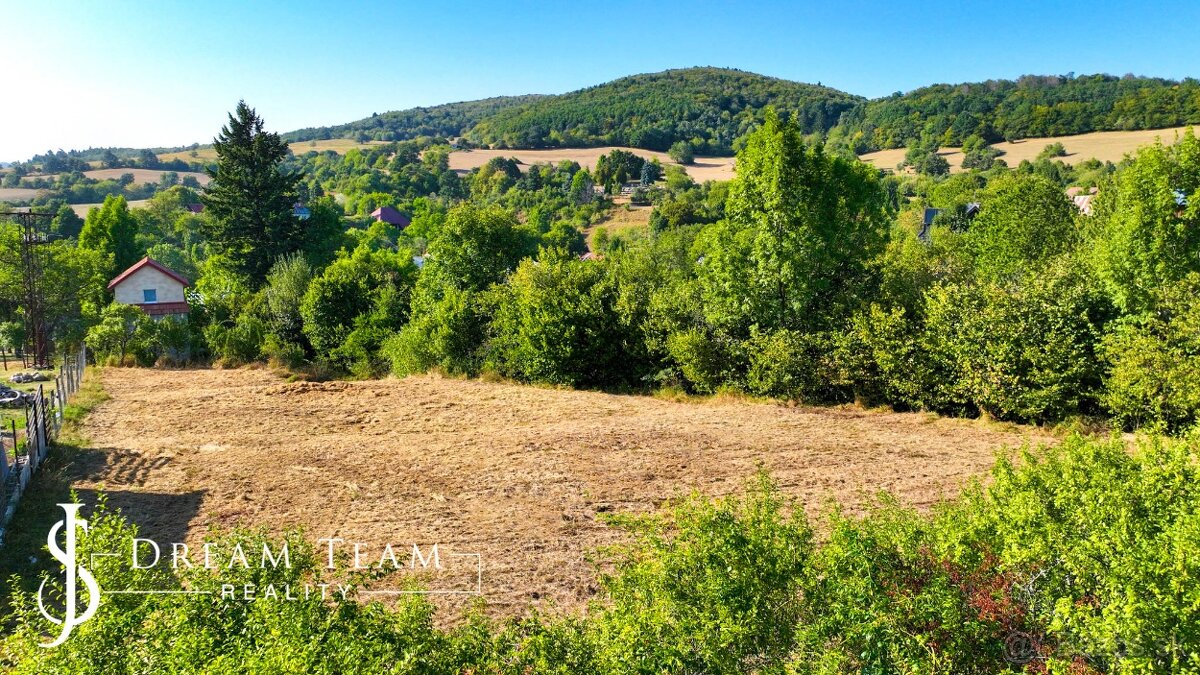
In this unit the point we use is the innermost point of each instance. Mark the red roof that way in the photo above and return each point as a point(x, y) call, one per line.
point(152, 263)
point(391, 216)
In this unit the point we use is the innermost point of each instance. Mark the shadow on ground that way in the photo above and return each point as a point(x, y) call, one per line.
point(24, 553)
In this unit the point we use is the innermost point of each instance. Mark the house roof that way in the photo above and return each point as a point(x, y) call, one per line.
point(391, 216)
point(148, 262)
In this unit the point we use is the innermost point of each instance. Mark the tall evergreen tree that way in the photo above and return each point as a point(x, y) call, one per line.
point(250, 197)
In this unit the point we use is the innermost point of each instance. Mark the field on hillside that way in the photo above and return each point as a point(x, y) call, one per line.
point(705, 168)
point(17, 194)
point(517, 474)
point(1106, 146)
point(81, 210)
point(338, 145)
point(141, 176)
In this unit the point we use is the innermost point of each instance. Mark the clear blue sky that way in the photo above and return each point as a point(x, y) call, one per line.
point(119, 73)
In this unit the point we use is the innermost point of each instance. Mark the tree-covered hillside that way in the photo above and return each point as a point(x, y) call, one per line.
point(996, 110)
point(447, 120)
point(707, 107)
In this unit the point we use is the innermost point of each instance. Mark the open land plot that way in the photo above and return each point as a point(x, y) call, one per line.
point(515, 473)
point(17, 194)
point(208, 154)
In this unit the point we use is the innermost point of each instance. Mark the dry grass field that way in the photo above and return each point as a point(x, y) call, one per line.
point(338, 145)
point(142, 176)
point(17, 194)
point(81, 210)
point(704, 169)
point(1106, 146)
point(520, 475)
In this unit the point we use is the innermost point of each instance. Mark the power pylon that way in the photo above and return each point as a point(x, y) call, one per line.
point(33, 265)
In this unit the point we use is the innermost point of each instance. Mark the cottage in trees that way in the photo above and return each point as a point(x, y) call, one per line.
point(389, 215)
point(152, 286)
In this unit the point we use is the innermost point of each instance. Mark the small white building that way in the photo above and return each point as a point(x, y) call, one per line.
point(152, 286)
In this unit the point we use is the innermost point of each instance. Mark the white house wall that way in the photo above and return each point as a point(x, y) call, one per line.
point(129, 291)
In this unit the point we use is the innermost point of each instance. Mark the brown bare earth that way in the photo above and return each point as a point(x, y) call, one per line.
point(704, 168)
point(515, 473)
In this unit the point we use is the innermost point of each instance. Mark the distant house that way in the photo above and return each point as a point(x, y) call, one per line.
point(927, 223)
point(152, 286)
point(958, 219)
point(1083, 203)
point(301, 211)
point(195, 208)
point(389, 215)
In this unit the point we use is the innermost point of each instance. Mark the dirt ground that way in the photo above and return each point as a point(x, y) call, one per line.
point(517, 474)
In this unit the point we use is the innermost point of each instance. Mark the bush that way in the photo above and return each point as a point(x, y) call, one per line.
point(707, 359)
point(237, 344)
point(556, 324)
point(790, 365)
point(1152, 362)
point(1020, 353)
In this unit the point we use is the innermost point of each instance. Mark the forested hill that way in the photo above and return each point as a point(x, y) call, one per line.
point(711, 108)
point(448, 120)
point(1032, 106)
point(708, 107)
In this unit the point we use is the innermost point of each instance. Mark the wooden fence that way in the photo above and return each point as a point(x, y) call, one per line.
point(43, 421)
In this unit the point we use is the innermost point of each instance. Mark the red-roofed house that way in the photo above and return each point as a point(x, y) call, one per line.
point(389, 215)
point(152, 286)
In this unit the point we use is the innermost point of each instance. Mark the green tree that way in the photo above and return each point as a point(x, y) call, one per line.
point(1149, 223)
point(67, 223)
point(1024, 222)
point(813, 223)
point(249, 201)
point(681, 152)
point(119, 328)
point(112, 231)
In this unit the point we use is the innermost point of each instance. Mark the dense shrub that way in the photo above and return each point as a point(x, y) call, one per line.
point(1041, 366)
point(556, 323)
point(790, 365)
point(1153, 362)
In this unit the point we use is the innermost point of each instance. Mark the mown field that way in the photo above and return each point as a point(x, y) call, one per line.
point(1106, 146)
point(81, 210)
point(704, 168)
point(142, 176)
point(518, 474)
point(207, 154)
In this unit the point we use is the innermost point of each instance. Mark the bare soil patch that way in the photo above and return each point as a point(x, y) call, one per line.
point(517, 474)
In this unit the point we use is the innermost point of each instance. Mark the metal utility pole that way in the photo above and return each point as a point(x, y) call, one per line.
point(33, 264)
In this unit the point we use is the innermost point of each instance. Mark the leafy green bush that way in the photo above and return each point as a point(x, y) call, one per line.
point(790, 365)
point(1041, 365)
point(237, 344)
point(1153, 362)
point(556, 324)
